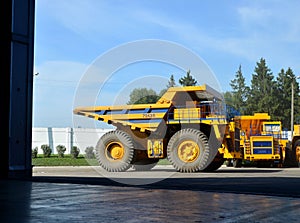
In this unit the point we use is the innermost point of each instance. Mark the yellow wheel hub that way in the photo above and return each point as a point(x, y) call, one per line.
point(115, 151)
point(188, 151)
point(298, 153)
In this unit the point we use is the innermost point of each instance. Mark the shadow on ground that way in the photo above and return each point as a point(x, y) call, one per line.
point(271, 186)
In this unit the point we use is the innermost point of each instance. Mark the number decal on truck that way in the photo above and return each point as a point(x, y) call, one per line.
point(148, 115)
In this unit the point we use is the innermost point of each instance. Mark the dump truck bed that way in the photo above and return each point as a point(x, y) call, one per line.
point(149, 116)
point(251, 124)
point(142, 116)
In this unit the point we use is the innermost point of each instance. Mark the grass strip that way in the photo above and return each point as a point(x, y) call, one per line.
point(67, 160)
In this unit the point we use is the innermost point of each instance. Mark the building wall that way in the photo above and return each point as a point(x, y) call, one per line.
point(80, 137)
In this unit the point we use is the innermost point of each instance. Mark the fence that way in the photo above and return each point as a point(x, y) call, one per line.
point(80, 137)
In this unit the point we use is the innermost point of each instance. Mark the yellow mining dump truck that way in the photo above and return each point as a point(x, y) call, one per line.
point(185, 126)
point(256, 139)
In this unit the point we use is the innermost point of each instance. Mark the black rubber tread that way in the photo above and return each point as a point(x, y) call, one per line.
point(290, 155)
point(115, 136)
point(188, 134)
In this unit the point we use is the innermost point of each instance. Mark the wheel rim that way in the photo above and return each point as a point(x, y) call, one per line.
point(114, 151)
point(298, 154)
point(188, 151)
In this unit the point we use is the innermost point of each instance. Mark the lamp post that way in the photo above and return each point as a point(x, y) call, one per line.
point(292, 107)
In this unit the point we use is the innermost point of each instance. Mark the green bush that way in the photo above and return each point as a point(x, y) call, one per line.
point(89, 152)
point(61, 149)
point(75, 152)
point(34, 152)
point(46, 150)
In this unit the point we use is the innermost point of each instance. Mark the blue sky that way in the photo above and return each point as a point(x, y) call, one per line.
point(70, 35)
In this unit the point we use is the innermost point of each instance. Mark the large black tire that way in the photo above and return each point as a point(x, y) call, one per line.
point(290, 155)
point(188, 150)
point(114, 151)
point(295, 154)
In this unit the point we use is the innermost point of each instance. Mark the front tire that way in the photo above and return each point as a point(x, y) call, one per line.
point(188, 150)
point(114, 151)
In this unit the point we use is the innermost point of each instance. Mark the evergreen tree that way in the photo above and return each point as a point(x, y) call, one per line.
point(284, 90)
point(240, 92)
point(284, 97)
point(228, 95)
point(188, 80)
point(171, 83)
point(290, 73)
point(262, 96)
point(230, 108)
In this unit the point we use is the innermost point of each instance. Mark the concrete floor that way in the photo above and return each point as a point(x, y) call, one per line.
point(72, 194)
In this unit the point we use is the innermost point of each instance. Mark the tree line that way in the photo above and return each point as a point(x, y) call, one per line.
point(265, 94)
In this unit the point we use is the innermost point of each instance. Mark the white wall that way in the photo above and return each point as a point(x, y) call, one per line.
point(80, 137)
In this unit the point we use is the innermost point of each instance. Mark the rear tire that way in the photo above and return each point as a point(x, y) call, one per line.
point(188, 150)
point(114, 151)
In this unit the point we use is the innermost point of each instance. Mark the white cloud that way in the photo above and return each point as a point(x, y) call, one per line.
point(277, 19)
point(254, 15)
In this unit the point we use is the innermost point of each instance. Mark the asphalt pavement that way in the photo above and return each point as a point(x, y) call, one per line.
point(262, 181)
point(89, 194)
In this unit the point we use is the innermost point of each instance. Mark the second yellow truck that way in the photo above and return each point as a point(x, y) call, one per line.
point(257, 140)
